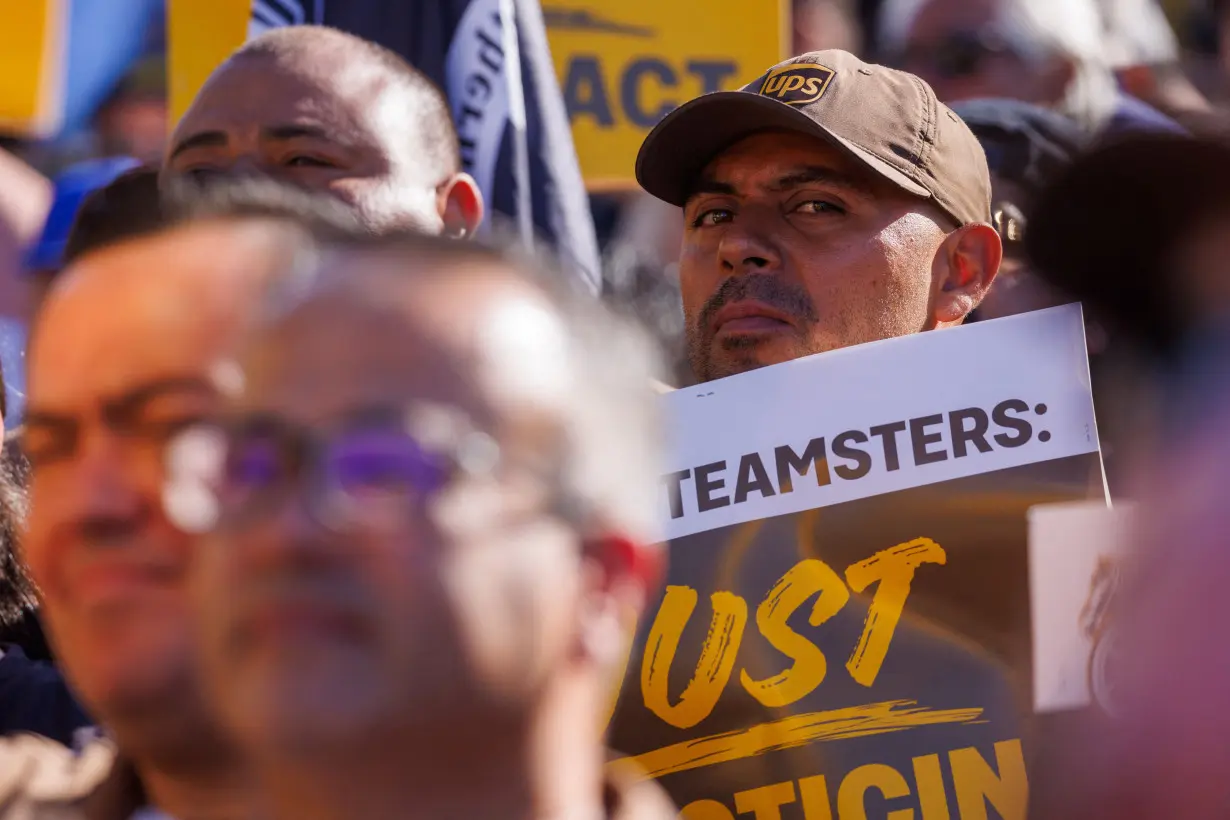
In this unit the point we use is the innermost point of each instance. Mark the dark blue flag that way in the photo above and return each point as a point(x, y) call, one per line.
point(491, 58)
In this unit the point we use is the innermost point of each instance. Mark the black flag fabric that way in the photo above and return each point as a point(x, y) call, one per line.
point(492, 59)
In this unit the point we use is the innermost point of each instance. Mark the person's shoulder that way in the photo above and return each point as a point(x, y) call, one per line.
point(35, 698)
point(40, 777)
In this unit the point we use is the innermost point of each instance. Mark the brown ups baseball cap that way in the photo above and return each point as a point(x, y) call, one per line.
point(888, 120)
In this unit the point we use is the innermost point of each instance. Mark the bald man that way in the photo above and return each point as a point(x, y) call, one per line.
point(333, 113)
point(124, 354)
point(455, 589)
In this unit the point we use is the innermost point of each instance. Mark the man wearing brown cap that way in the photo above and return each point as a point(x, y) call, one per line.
point(828, 203)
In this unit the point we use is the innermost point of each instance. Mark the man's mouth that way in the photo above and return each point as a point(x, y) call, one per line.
point(749, 317)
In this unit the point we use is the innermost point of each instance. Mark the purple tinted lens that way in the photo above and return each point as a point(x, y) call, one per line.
point(379, 460)
point(254, 464)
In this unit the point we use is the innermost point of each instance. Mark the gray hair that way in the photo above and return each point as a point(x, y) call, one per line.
point(1039, 30)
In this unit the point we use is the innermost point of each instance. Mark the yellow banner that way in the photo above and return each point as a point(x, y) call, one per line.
point(32, 83)
point(621, 66)
point(200, 35)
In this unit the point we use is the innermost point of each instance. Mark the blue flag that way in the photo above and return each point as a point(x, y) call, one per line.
point(492, 60)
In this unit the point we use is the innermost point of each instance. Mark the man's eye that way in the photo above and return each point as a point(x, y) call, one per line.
point(713, 216)
point(819, 206)
point(43, 454)
point(303, 161)
point(201, 173)
point(42, 449)
point(162, 430)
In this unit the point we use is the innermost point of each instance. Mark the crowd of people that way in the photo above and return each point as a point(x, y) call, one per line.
point(322, 507)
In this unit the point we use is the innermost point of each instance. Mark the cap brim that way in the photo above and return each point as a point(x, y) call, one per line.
point(686, 140)
point(1104, 229)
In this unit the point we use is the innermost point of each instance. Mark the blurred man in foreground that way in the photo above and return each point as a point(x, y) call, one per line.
point(435, 502)
point(828, 203)
point(125, 353)
point(330, 112)
point(1159, 275)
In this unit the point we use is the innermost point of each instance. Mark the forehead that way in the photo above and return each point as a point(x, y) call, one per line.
point(152, 309)
point(471, 338)
point(762, 159)
point(352, 99)
point(336, 353)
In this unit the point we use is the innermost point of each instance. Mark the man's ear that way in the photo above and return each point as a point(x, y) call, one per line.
point(967, 260)
point(621, 576)
point(461, 206)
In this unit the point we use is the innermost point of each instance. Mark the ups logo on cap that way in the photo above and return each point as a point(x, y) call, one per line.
point(797, 84)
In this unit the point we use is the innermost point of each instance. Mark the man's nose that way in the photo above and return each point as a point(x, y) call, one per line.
point(747, 246)
point(109, 494)
point(288, 535)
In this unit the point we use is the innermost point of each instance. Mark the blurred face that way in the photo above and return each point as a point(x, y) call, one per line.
point(953, 45)
point(332, 124)
point(121, 359)
point(791, 248)
point(373, 555)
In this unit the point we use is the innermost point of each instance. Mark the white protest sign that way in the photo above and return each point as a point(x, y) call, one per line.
point(883, 417)
point(1075, 552)
point(847, 603)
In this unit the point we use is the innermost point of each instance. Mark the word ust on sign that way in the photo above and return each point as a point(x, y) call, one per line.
point(891, 570)
point(969, 431)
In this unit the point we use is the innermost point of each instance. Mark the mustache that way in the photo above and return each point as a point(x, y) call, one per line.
point(788, 297)
point(330, 589)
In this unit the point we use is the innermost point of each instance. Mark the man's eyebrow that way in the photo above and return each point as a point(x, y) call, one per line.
point(709, 185)
point(818, 173)
point(293, 131)
point(132, 401)
point(40, 418)
point(201, 139)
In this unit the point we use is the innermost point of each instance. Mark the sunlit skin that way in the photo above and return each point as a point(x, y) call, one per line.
point(792, 248)
point(325, 117)
point(435, 640)
point(123, 355)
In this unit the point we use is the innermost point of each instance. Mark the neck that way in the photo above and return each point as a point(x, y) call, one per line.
point(545, 767)
point(219, 793)
point(186, 768)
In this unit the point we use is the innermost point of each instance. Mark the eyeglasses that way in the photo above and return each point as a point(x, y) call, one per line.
point(374, 471)
point(955, 55)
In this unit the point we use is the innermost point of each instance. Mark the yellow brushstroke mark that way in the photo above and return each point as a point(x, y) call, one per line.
point(717, 657)
point(893, 569)
point(795, 588)
point(797, 730)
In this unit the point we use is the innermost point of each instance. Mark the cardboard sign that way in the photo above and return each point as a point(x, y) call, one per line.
point(32, 41)
point(621, 66)
point(1075, 556)
point(624, 66)
point(845, 631)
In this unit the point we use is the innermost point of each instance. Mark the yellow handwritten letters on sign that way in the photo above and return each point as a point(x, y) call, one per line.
point(893, 569)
